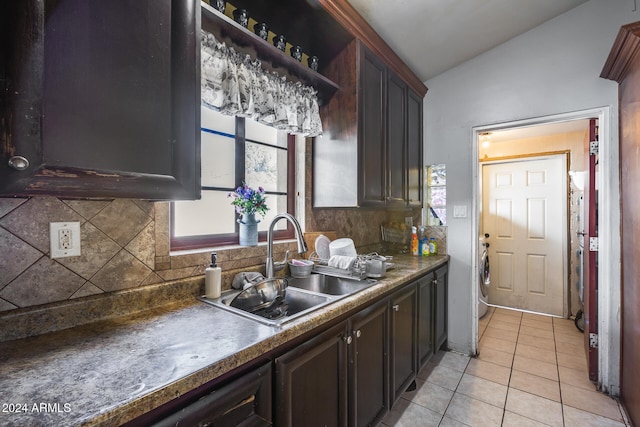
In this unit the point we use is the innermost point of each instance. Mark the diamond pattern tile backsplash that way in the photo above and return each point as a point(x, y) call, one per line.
point(118, 249)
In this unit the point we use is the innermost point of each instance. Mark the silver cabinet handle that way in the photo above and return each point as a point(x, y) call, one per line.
point(347, 339)
point(358, 333)
point(396, 307)
point(19, 163)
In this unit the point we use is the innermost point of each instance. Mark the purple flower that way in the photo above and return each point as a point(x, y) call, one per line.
point(249, 201)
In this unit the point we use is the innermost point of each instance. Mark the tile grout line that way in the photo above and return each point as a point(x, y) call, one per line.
point(513, 358)
point(555, 347)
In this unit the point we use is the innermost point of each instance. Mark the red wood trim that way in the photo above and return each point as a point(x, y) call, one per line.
point(351, 20)
point(625, 47)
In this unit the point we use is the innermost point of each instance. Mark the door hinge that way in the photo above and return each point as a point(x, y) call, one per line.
point(593, 148)
point(593, 340)
point(594, 244)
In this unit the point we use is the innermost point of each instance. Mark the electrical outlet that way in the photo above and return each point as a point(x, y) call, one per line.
point(64, 239)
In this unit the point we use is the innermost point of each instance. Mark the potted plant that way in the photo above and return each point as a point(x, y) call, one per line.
point(248, 202)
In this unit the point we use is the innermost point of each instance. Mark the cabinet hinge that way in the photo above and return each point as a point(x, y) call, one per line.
point(594, 244)
point(593, 148)
point(593, 340)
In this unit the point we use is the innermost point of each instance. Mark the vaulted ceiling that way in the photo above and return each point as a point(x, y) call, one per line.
point(433, 36)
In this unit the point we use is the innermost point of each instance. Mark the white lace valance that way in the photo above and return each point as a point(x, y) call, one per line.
point(236, 85)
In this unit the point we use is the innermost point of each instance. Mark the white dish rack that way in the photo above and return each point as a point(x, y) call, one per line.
point(357, 271)
point(321, 265)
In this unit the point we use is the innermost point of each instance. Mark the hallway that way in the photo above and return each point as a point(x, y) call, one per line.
point(531, 371)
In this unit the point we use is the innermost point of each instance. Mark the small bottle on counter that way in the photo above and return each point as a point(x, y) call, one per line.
point(212, 279)
point(414, 241)
point(433, 246)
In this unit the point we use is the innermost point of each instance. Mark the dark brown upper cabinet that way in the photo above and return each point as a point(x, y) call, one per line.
point(101, 98)
point(372, 162)
point(371, 152)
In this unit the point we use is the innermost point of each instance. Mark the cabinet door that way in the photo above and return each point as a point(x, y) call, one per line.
point(369, 367)
point(396, 141)
point(425, 319)
point(441, 306)
point(107, 104)
point(311, 382)
point(414, 150)
point(371, 129)
point(403, 356)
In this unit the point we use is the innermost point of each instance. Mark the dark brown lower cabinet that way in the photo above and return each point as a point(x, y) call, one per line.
point(338, 378)
point(426, 342)
point(368, 366)
point(311, 386)
point(440, 284)
point(403, 355)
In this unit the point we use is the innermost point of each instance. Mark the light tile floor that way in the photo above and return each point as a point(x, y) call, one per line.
point(531, 370)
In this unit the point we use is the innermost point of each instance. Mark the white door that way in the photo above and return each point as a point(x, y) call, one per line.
point(524, 210)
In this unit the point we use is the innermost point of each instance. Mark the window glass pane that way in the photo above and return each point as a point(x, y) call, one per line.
point(262, 133)
point(437, 216)
point(437, 174)
point(213, 214)
point(276, 205)
point(210, 119)
point(218, 160)
point(438, 196)
point(266, 167)
point(265, 163)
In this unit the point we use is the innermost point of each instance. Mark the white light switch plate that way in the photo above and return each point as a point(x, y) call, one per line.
point(459, 211)
point(64, 238)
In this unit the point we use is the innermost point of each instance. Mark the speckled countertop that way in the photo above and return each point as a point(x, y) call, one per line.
point(112, 371)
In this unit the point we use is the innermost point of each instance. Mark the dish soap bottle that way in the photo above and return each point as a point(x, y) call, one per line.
point(433, 246)
point(212, 279)
point(414, 241)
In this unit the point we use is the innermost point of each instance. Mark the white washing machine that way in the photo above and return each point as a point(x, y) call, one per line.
point(484, 276)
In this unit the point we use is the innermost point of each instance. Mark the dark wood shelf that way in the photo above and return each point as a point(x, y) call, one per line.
point(273, 59)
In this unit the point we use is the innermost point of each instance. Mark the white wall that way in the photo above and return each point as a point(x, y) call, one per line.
point(551, 69)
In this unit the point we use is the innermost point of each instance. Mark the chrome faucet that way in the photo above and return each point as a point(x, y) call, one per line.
point(302, 245)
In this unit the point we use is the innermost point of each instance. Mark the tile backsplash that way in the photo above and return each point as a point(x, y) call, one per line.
point(117, 244)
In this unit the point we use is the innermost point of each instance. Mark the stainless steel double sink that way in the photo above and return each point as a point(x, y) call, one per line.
point(303, 295)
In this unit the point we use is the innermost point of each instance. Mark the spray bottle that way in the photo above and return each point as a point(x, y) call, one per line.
point(414, 241)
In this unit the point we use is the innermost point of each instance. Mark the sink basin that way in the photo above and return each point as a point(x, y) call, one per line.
point(330, 285)
point(303, 295)
point(296, 303)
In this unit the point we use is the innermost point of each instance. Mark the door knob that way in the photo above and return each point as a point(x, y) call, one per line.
point(347, 339)
point(396, 307)
point(358, 333)
point(18, 163)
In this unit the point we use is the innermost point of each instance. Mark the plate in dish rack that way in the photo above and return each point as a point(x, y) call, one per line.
point(322, 246)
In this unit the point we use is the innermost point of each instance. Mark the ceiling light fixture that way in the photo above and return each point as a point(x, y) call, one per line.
point(485, 139)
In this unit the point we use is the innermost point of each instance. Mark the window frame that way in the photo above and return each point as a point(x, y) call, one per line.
point(428, 187)
point(232, 239)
